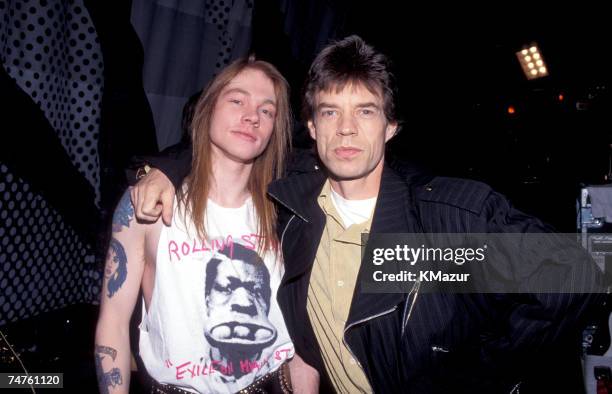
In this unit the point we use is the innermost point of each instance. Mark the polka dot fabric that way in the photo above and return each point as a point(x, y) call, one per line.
point(43, 263)
point(218, 14)
point(51, 49)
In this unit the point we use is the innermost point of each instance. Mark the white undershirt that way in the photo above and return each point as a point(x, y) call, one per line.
point(353, 211)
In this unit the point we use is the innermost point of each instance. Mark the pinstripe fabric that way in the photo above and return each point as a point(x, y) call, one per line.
point(451, 343)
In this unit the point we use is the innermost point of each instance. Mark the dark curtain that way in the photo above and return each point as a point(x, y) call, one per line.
point(185, 44)
point(50, 94)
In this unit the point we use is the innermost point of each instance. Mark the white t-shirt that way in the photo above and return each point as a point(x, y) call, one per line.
point(213, 324)
point(353, 211)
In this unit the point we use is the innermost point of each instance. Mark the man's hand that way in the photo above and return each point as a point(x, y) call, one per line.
point(304, 378)
point(153, 195)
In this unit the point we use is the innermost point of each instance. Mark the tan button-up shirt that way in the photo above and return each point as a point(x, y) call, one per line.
point(330, 292)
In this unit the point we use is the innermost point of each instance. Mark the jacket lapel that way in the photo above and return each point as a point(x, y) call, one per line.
point(394, 213)
point(298, 193)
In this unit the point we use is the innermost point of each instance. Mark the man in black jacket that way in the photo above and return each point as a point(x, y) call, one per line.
point(395, 342)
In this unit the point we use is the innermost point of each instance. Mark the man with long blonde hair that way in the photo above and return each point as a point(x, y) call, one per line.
point(224, 227)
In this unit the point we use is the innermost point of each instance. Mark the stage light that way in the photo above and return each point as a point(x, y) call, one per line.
point(532, 62)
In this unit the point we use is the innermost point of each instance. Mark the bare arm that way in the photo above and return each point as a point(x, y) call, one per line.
point(154, 195)
point(122, 277)
point(304, 378)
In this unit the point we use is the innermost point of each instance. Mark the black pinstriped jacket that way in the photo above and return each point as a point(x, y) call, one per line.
point(425, 343)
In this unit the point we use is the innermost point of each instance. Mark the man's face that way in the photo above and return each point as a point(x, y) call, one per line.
point(238, 308)
point(351, 130)
point(243, 117)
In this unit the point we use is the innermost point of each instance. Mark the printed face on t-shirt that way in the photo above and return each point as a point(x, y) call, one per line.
point(238, 302)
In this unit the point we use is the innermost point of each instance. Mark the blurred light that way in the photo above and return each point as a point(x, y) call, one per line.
point(530, 58)
point(511, 110)
point(561, 97)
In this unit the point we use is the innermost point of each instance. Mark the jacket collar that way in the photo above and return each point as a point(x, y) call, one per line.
point(298, 193)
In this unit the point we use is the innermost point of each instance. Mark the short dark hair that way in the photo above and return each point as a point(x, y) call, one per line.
point(349, 61)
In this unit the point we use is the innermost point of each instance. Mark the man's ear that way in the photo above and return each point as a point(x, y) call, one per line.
point(392, 129)
point(312, 130)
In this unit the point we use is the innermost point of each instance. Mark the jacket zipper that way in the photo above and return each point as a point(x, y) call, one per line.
point(285, 230)
point(359, 322)
point(288, 207)
point(414, 293)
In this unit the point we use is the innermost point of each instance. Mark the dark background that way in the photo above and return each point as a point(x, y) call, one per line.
point(458, 74)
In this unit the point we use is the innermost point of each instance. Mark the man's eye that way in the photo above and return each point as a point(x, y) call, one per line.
point(367, 112)
point(329, 112)
point(268, 113)
point(236, 101)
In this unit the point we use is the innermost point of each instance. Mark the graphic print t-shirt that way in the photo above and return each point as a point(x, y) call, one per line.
point(213, 324)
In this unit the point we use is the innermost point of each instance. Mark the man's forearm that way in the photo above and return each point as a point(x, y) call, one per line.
point(112, 359)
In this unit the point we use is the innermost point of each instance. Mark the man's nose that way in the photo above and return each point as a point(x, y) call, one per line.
point(347, 126)
point(242, 302)
point(251, 116)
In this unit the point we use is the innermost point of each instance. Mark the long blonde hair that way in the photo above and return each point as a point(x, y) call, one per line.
point(266, 167)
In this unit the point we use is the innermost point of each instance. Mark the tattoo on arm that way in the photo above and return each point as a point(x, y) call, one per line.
point(107, 350)
point(123, 214)
point(116, 267)
point(111, 378)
